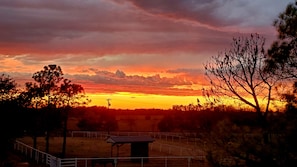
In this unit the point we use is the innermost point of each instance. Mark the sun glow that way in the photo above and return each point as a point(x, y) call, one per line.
point(126, 100)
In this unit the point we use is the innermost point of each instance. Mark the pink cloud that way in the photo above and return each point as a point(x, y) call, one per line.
point(111, 82)
point(155, 36)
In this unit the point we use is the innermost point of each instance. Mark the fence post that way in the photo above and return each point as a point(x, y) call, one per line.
point(115, 162)
point(141, 161)
point(189, 162)
point(59, 162)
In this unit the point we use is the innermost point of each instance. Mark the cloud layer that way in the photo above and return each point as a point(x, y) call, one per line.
point(146, 46)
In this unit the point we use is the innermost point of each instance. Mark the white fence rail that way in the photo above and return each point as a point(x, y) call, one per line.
point(35, 155)
point(173, 161)
point(169, 161)
point(186, 137)
point(153, 134)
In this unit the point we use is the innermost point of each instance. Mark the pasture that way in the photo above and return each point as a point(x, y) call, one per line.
point(85, 148)
point(98, 147)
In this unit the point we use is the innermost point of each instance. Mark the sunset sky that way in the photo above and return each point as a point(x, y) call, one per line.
point(138, 53)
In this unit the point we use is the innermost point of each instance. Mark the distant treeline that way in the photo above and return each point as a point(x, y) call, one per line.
point(101, 118)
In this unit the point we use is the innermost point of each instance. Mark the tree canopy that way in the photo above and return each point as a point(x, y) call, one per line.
point(282, 56)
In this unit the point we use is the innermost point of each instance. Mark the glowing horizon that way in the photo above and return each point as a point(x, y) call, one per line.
point(125, 100)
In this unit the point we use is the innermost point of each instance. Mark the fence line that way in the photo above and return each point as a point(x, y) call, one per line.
point(187, 138)
point(118, 133)
point(172, 161)
point(36, 155)
point(44, 158)
point(160, 135)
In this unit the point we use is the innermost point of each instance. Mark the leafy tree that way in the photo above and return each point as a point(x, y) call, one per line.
point(32, 100)
point(32, 96)
point(60, 94)
point(282, 56)
point(71, 95)
point(10, 114)
point(238, 74)
point(48, 81)
point(282, 60)
point(7, 88)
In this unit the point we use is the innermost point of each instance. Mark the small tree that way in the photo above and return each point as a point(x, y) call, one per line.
point(238, 74)
point(71, 95)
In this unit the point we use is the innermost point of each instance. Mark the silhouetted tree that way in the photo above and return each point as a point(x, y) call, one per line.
point(238, 74)
point(48, 80)
point(7, 88)
point(71, 95)
point(282, 56)
point(10, 115)
point(32, 100)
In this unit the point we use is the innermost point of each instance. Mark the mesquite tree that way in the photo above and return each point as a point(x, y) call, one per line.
point(238, 74)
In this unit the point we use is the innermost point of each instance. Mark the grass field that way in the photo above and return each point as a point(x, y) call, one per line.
point(84, 147)
point(81, 147)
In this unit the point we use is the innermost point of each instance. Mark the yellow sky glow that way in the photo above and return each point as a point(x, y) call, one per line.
point(126, 100)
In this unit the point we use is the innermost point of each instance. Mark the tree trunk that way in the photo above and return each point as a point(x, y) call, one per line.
point(64, 134)
point(47, 142)
point(34, 141)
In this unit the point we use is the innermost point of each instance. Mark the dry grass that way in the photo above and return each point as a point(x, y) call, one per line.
point(81, 147)
point(84, 147)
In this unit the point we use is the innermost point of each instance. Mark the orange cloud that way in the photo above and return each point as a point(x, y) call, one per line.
point(160, 46)
point(109, 82)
